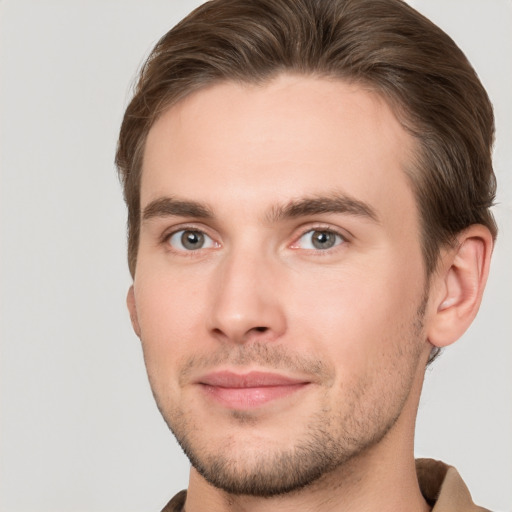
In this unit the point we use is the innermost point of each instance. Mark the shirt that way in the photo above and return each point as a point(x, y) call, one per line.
point(441, 486)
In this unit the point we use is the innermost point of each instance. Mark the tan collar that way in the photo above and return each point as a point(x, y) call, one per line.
point(443, 488)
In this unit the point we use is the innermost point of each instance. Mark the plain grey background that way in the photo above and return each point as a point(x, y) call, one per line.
point(79, 429)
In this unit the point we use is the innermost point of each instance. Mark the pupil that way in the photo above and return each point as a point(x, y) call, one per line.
point(323, 240)
point(192, 240)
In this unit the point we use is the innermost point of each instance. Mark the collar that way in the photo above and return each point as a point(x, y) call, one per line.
point(443, 488)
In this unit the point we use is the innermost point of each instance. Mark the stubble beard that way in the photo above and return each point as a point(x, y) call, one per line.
point(329, 441)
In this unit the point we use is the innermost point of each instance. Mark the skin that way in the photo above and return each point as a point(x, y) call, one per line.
point(244, 166)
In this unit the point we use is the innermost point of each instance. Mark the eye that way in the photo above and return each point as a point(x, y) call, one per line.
point(319, 239)
point(190, 240)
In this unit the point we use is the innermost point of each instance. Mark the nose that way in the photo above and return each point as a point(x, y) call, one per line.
point(246, 302)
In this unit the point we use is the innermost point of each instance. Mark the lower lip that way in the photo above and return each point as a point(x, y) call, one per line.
point(249, 398)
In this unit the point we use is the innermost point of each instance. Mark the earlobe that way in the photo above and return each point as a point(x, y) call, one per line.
point(132, 308)
point(460, 283)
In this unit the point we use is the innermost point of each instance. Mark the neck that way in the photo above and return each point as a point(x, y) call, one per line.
point(386, 490)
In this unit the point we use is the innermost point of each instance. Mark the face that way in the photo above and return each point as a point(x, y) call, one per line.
point(279, 288)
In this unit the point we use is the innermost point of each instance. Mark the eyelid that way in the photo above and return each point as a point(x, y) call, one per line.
point(185, 226)
point(305, 229)
point(168, 233)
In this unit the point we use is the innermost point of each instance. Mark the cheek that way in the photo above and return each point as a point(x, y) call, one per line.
point(355, 317)
point(366, 330)
point(170, 313)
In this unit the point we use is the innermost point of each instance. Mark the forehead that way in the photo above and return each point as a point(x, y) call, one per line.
point(277, 141)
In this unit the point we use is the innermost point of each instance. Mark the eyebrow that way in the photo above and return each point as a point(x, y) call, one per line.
point(303, 207)
point(168, 207)
point(336, 203)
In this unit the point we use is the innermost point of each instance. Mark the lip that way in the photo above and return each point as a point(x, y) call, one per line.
point(249, 390)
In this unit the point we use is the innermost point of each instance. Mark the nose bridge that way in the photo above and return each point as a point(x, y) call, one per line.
point(246, 303)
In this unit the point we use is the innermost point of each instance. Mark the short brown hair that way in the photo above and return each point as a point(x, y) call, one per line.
point(384, 44)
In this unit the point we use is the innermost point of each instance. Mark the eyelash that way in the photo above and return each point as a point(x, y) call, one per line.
point(166, 237)
point(344, 239)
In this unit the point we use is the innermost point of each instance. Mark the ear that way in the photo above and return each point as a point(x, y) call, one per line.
point(132, 308)
point(458, 285)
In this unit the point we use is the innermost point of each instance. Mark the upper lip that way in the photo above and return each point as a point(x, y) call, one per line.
point(254, 379)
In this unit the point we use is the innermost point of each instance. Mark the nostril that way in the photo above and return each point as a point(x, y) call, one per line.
point(261, 329)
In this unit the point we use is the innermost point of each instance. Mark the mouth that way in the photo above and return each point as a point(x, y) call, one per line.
point(249, 390)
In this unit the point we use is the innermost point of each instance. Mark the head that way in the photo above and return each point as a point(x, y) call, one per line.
point(307, 184)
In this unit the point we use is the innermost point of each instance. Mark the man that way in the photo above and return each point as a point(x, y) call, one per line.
point(308, 186)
